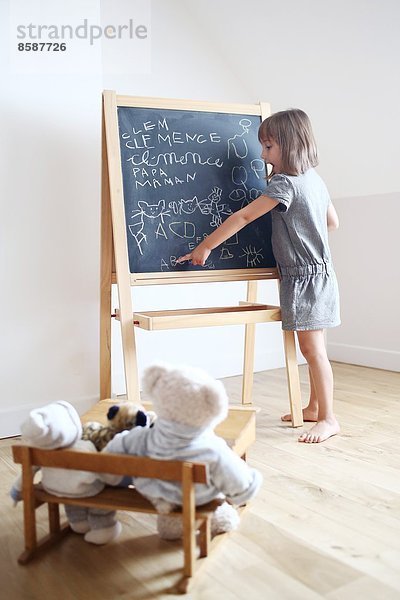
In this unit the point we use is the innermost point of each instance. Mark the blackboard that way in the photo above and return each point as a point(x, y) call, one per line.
point(184, 172)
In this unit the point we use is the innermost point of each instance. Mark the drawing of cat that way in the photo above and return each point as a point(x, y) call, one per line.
point(146, 211)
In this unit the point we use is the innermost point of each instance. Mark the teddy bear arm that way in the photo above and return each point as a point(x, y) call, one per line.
point(234, 478)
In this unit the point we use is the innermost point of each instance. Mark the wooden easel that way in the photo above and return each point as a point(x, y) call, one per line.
point(115, 269)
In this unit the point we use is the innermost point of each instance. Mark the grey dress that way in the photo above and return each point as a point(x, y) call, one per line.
point(308, 291)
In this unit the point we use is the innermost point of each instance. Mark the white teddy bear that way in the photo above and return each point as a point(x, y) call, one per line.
point(189, 404)
point(57, 425)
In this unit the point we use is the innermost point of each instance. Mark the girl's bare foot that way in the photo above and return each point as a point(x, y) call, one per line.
point(309, 415)
point(321, 431)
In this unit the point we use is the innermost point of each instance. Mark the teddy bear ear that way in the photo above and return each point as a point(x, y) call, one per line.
point(217, 396)
point(112, 411)
point(141, 419)
point(151, 376)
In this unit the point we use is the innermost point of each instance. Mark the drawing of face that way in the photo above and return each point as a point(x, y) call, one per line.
point(245, 123)
point(189, 206)
point(215, 195)
point(271, 154)
point(152, 211)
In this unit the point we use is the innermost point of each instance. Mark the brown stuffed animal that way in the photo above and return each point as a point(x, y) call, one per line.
point(125, 415)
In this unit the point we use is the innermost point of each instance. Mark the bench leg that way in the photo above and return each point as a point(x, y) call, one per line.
point(189, 521)
point(204, 536)
point(30, 538)
point(54, 518)
point(28, 497)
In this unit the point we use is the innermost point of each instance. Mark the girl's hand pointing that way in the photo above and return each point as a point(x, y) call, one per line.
point(197, 257)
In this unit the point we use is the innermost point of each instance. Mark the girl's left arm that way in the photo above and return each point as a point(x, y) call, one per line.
point(332, 218)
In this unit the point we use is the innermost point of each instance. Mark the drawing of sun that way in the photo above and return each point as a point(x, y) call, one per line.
point(253, 256)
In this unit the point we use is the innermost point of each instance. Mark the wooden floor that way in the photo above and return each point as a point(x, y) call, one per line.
point(326, 523)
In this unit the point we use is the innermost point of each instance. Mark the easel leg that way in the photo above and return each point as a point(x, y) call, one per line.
point(130, 361)
point(106, 260)
point(249, 343)
point(292, 371)
point(115, 193)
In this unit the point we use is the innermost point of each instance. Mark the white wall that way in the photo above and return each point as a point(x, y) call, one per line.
point(367, 255)
point(50, 190)
point(336, 60)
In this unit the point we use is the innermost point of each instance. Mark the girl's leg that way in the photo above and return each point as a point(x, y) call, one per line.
point(310, 412)
point(313, 403)
point(312, 346)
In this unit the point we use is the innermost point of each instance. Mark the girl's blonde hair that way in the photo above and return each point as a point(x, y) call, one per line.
point(291, 130)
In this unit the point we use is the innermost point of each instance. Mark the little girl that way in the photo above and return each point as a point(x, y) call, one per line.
point(302, 214)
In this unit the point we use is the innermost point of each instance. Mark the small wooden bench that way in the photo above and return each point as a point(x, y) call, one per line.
point(239, 429)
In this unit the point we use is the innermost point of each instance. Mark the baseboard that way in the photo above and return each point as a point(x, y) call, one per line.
point(377, 358)
point(12, 417)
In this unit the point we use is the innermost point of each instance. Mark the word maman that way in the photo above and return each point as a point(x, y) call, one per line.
point(158, 177)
